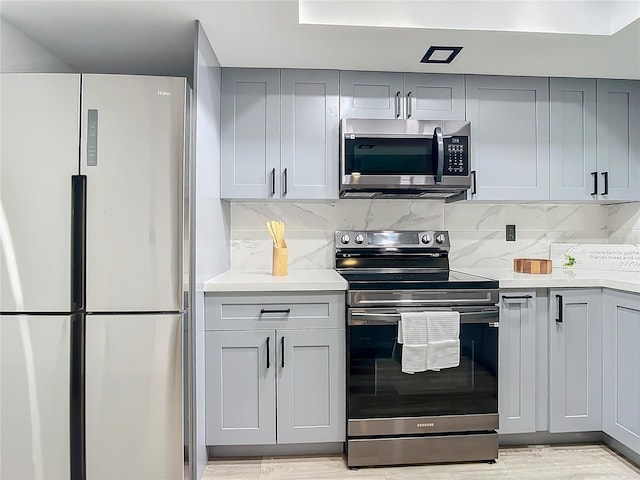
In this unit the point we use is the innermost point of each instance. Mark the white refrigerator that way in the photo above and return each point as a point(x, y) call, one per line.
point(94, 276)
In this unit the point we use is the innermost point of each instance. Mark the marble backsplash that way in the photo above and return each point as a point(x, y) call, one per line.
point(624, 223)
point(477, 230)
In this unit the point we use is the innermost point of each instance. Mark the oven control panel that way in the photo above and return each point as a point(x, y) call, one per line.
point(392, 239)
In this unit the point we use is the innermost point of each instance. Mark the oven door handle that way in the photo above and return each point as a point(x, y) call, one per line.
point(357, 318)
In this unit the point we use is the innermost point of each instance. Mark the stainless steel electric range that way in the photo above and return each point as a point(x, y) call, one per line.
point(396, 418)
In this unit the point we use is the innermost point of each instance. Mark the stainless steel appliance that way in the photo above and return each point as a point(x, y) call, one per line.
point(432, 416)
point(94, 276)
point(404, 159)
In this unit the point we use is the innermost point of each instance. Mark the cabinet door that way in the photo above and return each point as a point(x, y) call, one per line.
point(575, 363)
point(509, 137)
point(240, 387)
point(434, 97)
point(310, 125)
point(621, 386)
point(250, 143)
point(311, 386)
point(618, 139)
point(572, 152)
point(516, 365)
point(371, 95)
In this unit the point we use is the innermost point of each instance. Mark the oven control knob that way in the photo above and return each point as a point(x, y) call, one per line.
point(344, 239)
point(359, 239)
point(427, 238)
point(440, 238)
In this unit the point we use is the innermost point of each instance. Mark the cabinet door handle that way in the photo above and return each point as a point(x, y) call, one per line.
point(559, 309)
point(398, 104)
point(473, 182)
point(282, 351)
point(595, 183)
point(286, 183)
point(273, 181)
point(409, 106)
point(283, 310)
point(268, 353)
point(606, 183)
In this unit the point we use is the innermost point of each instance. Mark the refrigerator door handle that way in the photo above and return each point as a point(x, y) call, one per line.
point(78, 244)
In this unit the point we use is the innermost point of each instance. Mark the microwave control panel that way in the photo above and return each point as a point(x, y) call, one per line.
point(456, 156)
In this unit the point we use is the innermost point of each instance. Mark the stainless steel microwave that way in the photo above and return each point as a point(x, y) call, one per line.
point(404, 159)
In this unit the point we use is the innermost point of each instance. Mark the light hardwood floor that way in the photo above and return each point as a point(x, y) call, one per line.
point(539, 462)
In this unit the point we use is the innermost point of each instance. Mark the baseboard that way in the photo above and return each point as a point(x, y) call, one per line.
point(626, 452)
point(274, 450)
point(537, 438)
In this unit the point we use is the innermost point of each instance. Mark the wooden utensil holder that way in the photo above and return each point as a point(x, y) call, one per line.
point(279, 267)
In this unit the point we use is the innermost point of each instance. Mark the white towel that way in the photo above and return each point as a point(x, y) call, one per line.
point(412, 333)
point(443, 347)
point(430, 340)
point(443, 354)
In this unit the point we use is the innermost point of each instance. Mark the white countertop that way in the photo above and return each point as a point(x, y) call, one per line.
point(297, 281)
point(561, 278)
point(329, 280)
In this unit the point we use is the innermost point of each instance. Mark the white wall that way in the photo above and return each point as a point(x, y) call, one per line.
point(212, 224)
point(477, 230)
point(20, 54)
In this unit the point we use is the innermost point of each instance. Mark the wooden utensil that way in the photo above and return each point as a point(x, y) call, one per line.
point(272, 233)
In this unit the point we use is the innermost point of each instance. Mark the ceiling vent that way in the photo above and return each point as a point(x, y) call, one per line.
point(440, 54)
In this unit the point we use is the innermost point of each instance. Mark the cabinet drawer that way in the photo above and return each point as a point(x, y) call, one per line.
point(248, 311)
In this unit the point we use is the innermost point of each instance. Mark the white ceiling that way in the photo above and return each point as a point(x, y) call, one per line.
point(156, 37)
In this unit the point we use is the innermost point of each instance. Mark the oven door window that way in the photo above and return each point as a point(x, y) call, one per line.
point(389, 156)
point(379, 389)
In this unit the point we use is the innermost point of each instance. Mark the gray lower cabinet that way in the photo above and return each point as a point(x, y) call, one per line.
point(311, 386)
point(575, 360)
point(517, 362)
point(240, 387)
point(279, 375)
point(621, 376)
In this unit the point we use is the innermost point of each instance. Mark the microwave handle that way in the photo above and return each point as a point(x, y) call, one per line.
point(438, 142)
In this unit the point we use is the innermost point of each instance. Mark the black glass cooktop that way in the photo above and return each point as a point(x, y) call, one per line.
point(413, 280)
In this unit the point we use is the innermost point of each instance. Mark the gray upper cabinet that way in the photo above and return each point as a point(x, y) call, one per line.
point(420, 96)
point(371, 95)
point(618, 139)
point(279, 135)
point(621, 368)
point(311, 392)
point(517, 360)
point(432, 96)
point(575, 363)
point(310, 126)
point(509, 137)
point(572, 151)
point(250, 133)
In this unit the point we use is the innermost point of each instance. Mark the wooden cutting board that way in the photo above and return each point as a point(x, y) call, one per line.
point(532, 265)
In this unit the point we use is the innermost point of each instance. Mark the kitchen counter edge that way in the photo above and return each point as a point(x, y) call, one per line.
point(312, 280)
point(561, 278)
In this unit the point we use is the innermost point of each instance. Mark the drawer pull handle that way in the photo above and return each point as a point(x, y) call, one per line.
point(268, 353)
point(284, 310)
point(559, 308)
